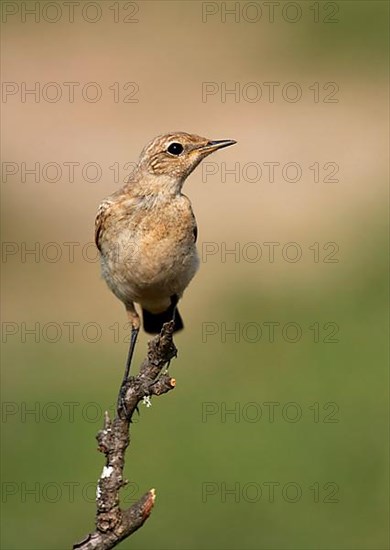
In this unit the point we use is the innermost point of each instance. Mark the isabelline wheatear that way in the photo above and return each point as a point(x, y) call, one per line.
point(146, 232)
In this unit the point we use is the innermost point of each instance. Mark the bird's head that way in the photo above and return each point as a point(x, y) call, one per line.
point(172, 157)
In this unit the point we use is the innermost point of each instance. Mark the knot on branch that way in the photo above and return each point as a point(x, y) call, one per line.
point(108, 521)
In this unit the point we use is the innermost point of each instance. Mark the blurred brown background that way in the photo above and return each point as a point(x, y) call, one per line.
point(335, 295)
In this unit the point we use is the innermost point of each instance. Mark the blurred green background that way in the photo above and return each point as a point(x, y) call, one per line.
point(326, 450)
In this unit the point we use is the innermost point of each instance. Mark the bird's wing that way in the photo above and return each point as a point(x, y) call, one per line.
point(195, 231)
point(100, 220)
point(192, 217)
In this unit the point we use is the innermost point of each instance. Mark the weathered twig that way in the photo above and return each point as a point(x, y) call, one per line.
point(112, 523)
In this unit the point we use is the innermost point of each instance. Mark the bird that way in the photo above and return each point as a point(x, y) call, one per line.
point(146, 233)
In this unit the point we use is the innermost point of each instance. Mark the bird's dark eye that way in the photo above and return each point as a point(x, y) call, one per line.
point(175, 149)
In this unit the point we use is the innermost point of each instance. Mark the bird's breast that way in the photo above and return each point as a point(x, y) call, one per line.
point(151, 251)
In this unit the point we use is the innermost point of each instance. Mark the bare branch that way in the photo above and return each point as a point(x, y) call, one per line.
point(112, 523)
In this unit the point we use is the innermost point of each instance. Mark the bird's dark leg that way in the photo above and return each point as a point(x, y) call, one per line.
point(174, 302)
point(135, 324)
point(133, 340)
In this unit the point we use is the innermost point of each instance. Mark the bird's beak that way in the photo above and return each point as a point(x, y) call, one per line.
point(212, 146)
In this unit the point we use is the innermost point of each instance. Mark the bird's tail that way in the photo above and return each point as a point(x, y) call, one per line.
point(153, 322)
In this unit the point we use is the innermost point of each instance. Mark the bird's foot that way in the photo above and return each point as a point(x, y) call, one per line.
point(121, 404)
